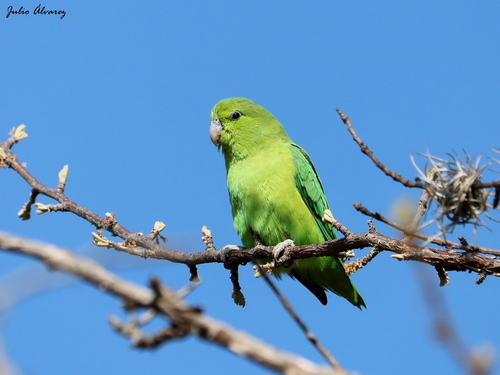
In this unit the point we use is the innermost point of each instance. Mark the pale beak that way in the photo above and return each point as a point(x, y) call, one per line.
point(215, 130)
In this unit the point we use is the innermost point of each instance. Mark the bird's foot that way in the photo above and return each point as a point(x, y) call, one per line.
point(224, 252)
point(281, 255)
point(281, 252)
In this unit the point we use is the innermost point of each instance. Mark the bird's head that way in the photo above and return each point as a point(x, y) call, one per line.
point(239, 127)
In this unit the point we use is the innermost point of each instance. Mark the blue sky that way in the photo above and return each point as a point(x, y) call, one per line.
point(122, 92)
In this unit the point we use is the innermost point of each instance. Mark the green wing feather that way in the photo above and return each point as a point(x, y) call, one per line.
point(330, 273)
point(310, 188)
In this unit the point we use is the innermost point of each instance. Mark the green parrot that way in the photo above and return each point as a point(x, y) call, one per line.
point(276, 194)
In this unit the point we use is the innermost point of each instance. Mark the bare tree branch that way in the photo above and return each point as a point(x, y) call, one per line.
point(185, 319)
point(438, 241)
point(395, 176)
point(146, 246)
point(365, 150)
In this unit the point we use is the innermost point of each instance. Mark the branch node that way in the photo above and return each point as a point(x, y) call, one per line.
point(481, 278)
point(100, 240)
point(371, 227)
point(361, 262)
point(25, 212)
point(237, 295)
point(207, 238)
point(328, 218)
point(63, 177)
point(42, 208)
point(443, 276)
point(155, 232)
point(110, 218)
point(399, 256)
point(19, 133)
point(193, 270)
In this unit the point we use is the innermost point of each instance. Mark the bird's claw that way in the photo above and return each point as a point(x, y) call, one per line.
point(224, 252)
point(281, 252)
point(281, 255)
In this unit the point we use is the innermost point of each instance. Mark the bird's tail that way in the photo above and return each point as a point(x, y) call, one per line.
point(326, 273)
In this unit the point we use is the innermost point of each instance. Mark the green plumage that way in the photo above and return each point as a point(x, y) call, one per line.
point(276, 193)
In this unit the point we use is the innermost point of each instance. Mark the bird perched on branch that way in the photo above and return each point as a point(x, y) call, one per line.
point(276, 194)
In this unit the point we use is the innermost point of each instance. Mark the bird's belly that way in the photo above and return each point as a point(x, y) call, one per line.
point(272, 209)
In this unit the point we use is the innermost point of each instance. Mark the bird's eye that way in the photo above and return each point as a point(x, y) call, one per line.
point(235, 115)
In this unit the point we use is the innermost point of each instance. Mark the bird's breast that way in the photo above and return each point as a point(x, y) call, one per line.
point(265, 200)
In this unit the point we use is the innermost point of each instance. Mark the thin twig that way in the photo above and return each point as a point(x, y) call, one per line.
point(25, 212)
point(421, 210)
point(356, 265)
point(140, 339)
point(365, 150)
point(437, 241)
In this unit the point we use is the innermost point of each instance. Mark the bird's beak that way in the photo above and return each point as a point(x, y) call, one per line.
point(215, 130)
